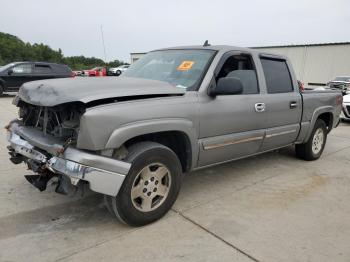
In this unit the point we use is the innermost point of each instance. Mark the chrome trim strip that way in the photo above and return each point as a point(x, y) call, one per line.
point(281, 133)
point(232, 142)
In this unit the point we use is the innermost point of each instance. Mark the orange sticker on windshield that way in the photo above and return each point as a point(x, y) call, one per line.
point(185, 65)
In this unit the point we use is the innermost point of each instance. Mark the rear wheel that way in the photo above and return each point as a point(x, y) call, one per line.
point(150, 188)
point(314, 147)
point(1, 90)
point(118, 73)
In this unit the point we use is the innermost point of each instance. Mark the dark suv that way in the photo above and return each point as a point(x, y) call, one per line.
point(13, 75)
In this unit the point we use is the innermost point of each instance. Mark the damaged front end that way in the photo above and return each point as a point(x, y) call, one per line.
point(44, 138)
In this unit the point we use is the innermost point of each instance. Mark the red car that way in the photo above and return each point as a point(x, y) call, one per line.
point(96, 71)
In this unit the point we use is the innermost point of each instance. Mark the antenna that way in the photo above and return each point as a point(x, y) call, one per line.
point(206, 43)
point(103, 43)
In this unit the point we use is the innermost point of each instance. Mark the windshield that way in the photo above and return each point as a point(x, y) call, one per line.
point(2, 68)
point(181, 68)
point(342, 78)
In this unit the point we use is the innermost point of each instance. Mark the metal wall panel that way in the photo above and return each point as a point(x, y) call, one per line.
point(316, 63)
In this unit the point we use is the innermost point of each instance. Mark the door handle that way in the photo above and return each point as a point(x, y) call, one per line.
point(260, 107)
point(293, 104)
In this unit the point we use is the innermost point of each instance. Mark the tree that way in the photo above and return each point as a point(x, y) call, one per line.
point(13, 49)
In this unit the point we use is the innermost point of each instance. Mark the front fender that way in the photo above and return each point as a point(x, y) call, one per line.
point(131, 130)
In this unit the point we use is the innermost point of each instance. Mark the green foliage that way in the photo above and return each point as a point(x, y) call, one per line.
point(13, 49)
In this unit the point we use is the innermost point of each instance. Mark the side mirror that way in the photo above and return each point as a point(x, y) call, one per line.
point(10, 71)
point(227, 86)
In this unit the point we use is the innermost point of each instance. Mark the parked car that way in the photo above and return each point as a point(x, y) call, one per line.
point(133, 138)
point(78, 72)
point(13, 75)
point(346, 107)
point(342, 83)
point(96, 71)
point(118, 70)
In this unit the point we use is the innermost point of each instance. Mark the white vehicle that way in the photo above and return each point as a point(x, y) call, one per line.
point(346, 107)
point(118, 70)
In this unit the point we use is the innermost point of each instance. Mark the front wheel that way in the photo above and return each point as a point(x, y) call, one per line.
point(150, 188)
point(314, 147)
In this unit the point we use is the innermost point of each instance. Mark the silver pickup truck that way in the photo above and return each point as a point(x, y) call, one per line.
point(175, 110)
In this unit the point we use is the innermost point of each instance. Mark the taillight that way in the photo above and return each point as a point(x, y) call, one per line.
point(301, 86)
point(339, 99)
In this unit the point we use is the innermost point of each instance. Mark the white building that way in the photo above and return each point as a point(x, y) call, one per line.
point(314, 64)
point(135, 56)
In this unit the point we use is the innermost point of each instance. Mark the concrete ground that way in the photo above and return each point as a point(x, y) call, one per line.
point(272, 207)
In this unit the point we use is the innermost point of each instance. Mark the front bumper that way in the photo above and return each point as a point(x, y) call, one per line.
point(104, 175)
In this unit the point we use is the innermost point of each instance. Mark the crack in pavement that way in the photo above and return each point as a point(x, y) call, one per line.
point(218, 237)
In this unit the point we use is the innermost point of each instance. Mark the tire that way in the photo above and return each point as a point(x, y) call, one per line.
point(1, 90)
point(138, 202)
point(118, 73)
point(314, 147)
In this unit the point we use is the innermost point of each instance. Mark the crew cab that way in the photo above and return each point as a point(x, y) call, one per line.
point(133, 138)
point(13, 75)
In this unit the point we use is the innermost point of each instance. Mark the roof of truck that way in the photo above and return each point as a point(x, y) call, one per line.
point(209, 47)
point(223, 48)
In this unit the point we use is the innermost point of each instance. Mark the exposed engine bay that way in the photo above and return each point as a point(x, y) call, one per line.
point(61, 121)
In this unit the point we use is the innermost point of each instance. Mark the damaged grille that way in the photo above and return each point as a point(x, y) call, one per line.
point(60, 121)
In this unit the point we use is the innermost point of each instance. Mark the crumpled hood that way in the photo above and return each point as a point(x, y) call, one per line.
point(87, 89)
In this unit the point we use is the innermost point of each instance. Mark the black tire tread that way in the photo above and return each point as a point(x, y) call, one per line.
point(135, 151)
point(304, 151)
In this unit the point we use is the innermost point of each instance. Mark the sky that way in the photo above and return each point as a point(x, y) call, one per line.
point(141, 26)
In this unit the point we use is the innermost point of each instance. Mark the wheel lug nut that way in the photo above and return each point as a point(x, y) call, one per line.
point(155, 190)
point(152, 178)
point(144, 190)
point(146, 183)
point(156, 182)
point(149, 193)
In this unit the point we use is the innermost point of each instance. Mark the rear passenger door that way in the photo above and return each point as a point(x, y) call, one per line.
point(283, 105)
point(42, 71)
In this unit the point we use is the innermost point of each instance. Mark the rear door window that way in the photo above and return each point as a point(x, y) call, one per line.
point(277, 76)
point(42, 69)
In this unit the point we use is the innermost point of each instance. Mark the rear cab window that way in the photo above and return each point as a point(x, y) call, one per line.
point(277, 75)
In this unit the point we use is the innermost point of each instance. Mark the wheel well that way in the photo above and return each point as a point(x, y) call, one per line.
point(175, 140)
point(328, 119)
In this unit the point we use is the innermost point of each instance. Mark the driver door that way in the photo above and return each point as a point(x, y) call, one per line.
point(20, 74)
point(231, 126)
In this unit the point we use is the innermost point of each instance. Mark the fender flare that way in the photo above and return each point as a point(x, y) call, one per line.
point(125, 132)
point(319, 111)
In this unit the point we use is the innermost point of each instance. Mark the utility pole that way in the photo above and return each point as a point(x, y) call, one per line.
point(103, 43)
